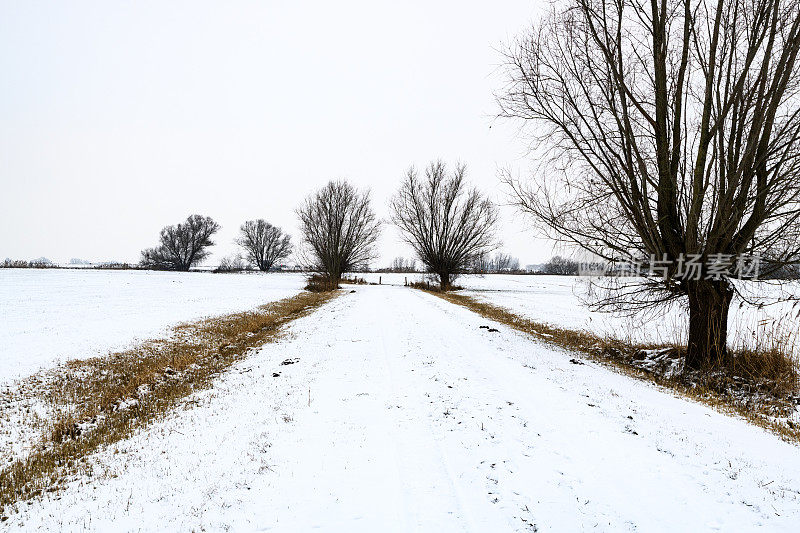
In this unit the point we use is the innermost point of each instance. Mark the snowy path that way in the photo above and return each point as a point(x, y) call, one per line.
point(402, 414)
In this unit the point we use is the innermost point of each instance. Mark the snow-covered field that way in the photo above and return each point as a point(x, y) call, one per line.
point(402, 414)
point(48, 316)
point(561, 301)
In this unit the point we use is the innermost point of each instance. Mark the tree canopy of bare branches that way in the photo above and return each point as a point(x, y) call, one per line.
point(339, 230)
point(183, 245)
point(447, 223)
point(561, 266)
point(263, 243)
point(500, 262)
point(503, 262)
point(401, 264)
point(668, 128)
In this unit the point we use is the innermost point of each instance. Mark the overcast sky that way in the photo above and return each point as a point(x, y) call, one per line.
point(118, 118)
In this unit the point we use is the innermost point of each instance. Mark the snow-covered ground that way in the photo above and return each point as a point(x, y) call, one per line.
point(562, 301)
point(402, 414)
point(48, 316)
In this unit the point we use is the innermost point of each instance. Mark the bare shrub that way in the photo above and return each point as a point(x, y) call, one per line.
point(182, 246)
point(320, 283)
point(113, 265)
point(264, 243)
point(428, 285)
point(354, 280)
point(446, 223)
point(232, 263)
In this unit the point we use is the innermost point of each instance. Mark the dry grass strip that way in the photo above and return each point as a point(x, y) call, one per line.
point(762, 389)
point(99, 401)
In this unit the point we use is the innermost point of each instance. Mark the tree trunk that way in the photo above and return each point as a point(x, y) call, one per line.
point(335, 278)
point(709, 302)
point(444, 281)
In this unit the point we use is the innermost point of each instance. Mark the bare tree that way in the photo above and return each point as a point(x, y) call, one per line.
point(481, 263)
point(263, 243)
point(446, 223)
point(183, 245)
point(668, 129)
point(503, 262)
point(401, 264)
point(339, 230)
point(561, 266)
point(231, 263)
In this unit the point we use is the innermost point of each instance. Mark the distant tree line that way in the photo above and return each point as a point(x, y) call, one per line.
point(401, 265)
point(42, 262)
point(561, 266)
point(499, 263)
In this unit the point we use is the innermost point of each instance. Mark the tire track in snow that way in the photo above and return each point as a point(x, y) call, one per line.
point(409, 324)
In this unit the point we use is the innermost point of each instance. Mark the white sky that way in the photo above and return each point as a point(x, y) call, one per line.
point(118, 118)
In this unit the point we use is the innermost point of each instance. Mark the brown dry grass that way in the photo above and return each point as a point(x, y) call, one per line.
point(101, 400)
point(320, 283)
point(757, 385)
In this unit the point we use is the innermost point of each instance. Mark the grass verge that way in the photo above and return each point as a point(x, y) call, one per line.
point(99, 401)
point(765, 400)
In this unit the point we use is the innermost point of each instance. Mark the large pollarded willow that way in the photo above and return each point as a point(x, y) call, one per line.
point(339, 229)
point(183, 245)
point(264, 243)
point(448, 224)
point(670, 129)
